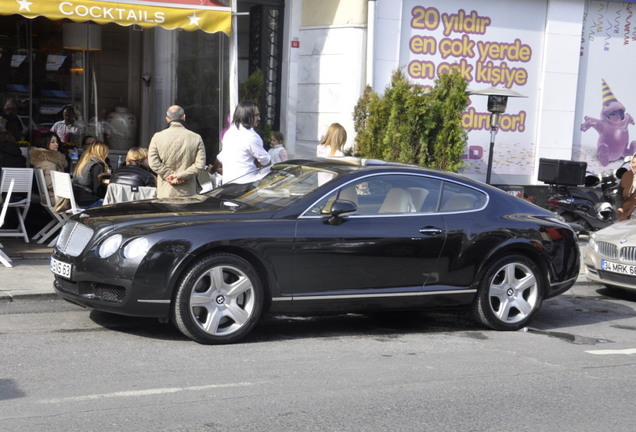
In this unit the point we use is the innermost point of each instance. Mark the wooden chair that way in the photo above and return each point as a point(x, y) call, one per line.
point(58, 219)
point(4, 259)
point(23, 183)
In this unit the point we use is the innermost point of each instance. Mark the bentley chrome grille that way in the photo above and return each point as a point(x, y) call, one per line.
point(73, 238)
point(608, 250)
point(628, 253)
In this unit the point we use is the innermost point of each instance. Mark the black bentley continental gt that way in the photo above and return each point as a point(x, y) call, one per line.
point(315, 236)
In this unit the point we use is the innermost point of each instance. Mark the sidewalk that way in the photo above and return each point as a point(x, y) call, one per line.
point(30, 275)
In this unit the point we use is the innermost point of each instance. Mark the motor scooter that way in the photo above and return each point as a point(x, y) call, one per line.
point(581, 208)
point(609, 182)
point(585, 209)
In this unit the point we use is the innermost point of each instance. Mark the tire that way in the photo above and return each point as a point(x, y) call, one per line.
point(509, 294)
point(219, 300)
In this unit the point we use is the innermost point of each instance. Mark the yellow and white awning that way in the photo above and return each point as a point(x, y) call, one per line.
point(208, 15)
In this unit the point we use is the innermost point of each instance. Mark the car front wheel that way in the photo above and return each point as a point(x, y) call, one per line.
point(509, 294)
point(219, 300)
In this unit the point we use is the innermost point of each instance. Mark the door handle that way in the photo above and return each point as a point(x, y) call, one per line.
point(430, 230)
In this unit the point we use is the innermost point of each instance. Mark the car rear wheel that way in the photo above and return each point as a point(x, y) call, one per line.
point(219, 300)
point(510, 293)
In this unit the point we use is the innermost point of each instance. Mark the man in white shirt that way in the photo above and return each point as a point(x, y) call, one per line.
point(243, 157)
point(68, 130)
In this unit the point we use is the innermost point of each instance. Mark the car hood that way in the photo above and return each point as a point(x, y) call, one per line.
point(618, 231)
point(177, 206)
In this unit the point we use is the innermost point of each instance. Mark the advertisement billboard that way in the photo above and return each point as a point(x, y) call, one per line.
point(605, 132)
point(492, 46)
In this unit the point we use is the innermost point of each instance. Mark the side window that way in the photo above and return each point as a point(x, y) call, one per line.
point(388, 194)
point(457, 198)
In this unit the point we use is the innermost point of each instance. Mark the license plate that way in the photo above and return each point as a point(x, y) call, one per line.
point(60, 268)
point(618, 268)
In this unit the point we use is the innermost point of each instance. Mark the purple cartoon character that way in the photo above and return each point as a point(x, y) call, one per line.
point(613, 137)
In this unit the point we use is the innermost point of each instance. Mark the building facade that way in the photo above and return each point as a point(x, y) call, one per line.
point(567, 57)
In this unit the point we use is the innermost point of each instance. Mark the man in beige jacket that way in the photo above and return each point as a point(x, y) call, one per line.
point(177, 156)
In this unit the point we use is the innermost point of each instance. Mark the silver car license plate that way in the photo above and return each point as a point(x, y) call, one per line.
point(61, 268)
point(618, 268)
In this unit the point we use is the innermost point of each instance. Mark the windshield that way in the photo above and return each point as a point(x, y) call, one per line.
point(279, 188)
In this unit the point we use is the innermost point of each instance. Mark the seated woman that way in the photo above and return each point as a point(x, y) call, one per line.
point(88, 186)
point(10, 153)
point(133, 181)
point(48, 157)
point(136, 171)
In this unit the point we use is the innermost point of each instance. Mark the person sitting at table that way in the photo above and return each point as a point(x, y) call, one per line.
point(48, 157)
point(10, 154)
point(12, 122)
point(89, 186)
point(135, 172)
point(132, 181)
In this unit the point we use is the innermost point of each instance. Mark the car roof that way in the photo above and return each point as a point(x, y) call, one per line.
point(349, 164)
point(346, 161)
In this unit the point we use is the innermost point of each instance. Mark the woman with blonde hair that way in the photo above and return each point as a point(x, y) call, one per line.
point(88, 176)
point(332, 144)
point(135, 172)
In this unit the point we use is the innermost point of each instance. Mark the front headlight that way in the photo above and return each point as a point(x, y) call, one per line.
point(110, 246)
point(591, 243)
point(135, 248)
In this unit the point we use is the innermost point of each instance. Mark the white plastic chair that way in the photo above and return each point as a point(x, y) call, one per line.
point(58, 219)
point(4, 259)
point(23, 183)
point(117, 193)
point(63, 188)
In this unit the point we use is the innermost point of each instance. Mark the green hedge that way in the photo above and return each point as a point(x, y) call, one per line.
point(410, 124)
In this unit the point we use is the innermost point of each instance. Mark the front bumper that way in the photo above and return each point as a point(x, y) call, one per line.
point(128, 287)
point(595, 273)
point(110, 298)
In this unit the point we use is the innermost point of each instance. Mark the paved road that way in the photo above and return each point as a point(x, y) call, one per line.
point(63, 368)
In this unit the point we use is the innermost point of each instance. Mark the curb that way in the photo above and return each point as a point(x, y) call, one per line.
point(10, 298)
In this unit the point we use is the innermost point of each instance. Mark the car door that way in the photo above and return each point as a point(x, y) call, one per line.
point(389, 246)
point(469, 235)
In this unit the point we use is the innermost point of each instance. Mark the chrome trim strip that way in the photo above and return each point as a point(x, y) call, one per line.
point(154, 301)
point(305, 215)
point(362, 296)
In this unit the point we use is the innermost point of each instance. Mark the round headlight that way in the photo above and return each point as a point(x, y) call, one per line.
point(135, 248)
point(110, 246)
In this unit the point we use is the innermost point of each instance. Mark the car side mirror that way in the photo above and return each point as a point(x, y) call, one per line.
point(339, 209)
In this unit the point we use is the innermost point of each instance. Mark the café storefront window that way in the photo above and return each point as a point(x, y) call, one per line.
point(119, 79)
point(203, 85)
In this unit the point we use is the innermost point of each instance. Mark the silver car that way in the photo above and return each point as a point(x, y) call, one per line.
point(610, 256)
